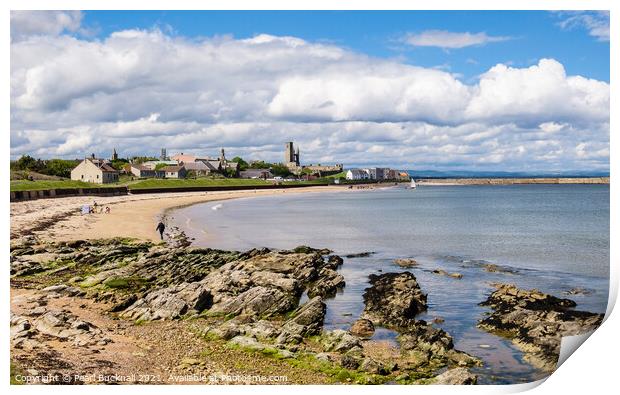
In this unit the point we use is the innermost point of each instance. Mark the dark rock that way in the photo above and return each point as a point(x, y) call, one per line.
point(393, 300)
point(536, 322)
point(327, 284)
point(310, 250)
point(123, 304)
point(334, 262)
point(360, 254)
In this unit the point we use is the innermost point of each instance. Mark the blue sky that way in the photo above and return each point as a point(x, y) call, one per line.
point(534, 34)
point(459, 90)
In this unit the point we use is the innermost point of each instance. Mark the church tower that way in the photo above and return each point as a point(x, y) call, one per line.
point(289, 155)
point(297, 160)
point(114, 155)
point(223, 159)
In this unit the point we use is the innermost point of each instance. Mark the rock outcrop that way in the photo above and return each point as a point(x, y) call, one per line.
point(393, 300)
point(536, 322)
point(246, 300)
point(29, 333)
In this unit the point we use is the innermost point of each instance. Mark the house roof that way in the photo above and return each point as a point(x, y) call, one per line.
point(255, 173)
point(196, 166)
point(172, 169)
point(107, 168)
point(104, 167)
point(215, 164)
point(141, 168)
point(357, 171)
point(183, 157)
point(156, 162)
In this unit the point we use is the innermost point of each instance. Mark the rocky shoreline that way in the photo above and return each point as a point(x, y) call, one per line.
point(536, 322)
point(84, 300)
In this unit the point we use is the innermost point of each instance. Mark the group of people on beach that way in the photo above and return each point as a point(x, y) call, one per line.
point(93, 209)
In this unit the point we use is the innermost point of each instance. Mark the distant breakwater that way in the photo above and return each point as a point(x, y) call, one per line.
point(512, 181)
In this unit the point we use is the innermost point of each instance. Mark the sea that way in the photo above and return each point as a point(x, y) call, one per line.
point(551, 237)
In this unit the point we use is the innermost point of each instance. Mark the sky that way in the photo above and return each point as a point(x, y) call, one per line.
point(443, 90)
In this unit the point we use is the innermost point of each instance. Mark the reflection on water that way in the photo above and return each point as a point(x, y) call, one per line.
point(550, 237)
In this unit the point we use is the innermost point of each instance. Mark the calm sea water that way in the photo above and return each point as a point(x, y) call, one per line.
point(553, 237)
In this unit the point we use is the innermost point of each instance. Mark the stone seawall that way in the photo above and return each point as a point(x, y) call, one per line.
point(18, 196)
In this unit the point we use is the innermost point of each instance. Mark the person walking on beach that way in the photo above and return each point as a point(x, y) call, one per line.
point(160, 228)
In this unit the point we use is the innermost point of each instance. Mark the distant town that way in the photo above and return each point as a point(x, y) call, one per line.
point(97, 170)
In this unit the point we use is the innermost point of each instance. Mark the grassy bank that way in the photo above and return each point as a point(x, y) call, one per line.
point(199, 182)
point(24, 185)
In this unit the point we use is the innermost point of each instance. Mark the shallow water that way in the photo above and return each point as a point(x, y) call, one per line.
point(553, 237)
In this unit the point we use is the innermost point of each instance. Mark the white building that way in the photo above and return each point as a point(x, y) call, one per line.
point(357, 174)
point(95, 171)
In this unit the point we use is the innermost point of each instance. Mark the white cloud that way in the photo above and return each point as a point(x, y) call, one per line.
point(28, 23)
point(450, 40)
point(595, 22)
point(139, 91)
point(540, 93)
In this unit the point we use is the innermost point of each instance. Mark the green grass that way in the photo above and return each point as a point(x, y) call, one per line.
point(25, 185)
point(152, 183)
point(124, 282)
point(199, 182)
point(342, 174)
point(14, 372)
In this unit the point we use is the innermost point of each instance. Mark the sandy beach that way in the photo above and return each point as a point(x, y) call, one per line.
point(132, 216)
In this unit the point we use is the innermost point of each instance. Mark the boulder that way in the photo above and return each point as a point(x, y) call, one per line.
point(306, 320)
point(257, 301)
point(352, 359)
point(362, 328)
point(393, 300)
point(262, 329)
point(309, 316)
point(323, 357)
point(247, 343)
point(328, 283)
point(278, 280)
point(340, 341)
point(372, 366)
point(170, 303)
point(406, 262)
point(428, 345)
point(457, 376)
